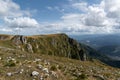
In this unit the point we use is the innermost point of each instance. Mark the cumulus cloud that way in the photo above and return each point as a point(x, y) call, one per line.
point(112, 8)
point(103, 17)
point(21, 22)
point(95, 16)
point(82, 18)
point(13, 17)
point(11, 9)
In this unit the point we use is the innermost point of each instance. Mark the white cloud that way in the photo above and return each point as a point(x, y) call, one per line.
point(77, 18)
point(14, 17)
point(80, 6)
point(21, 22)
point(55, 8)
point(10, 9)
point(6, 30)
point(112, 8)
point(96, 18)
point(72, 18)
point(101, 18)
point(49, 8)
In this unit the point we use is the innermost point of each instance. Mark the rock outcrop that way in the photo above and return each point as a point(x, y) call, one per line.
point(19, 39)
point(53, 44)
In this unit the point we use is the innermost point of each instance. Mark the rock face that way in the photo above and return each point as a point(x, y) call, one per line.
point(55, 44)
point(19, 39)
point(29, 48)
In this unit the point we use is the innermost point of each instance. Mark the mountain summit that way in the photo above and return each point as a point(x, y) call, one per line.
point(53, 44)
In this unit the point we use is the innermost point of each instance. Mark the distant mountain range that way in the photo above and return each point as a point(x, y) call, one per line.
point(105, 44)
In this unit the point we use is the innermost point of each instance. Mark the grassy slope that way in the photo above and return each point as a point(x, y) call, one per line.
point(67, 70)
point(53, 44)
point(89, 70)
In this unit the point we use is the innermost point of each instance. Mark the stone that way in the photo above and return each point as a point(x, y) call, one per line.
point(0, 58)
point(19, 39)
point(47, 75)
point(41, 78)
point(35, 73)
point(37, 60)
point(46, 70)
point(40, 66)
point(29, 48)
point(9, 74)
point(54, 74)
point(21, 71)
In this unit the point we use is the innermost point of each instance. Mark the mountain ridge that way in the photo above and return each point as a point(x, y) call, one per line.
point(22, 42)
point(52, 44)
point(22, 56)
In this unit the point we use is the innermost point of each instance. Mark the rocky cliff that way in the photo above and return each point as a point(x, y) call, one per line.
point(54, 44)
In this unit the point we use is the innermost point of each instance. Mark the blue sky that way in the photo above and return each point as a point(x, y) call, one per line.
point(41, 6)
point(74, 17)
point(43, 14)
